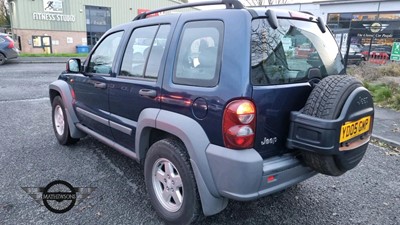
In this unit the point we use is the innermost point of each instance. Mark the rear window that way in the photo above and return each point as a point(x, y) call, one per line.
point(295, 52)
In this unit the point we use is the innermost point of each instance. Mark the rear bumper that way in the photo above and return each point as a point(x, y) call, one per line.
point(11, 53)
point(243, 175)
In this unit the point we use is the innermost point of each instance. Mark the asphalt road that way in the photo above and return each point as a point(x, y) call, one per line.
point(31, 157)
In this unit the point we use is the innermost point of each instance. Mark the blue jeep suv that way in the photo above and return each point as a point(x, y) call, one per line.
point(217, 104)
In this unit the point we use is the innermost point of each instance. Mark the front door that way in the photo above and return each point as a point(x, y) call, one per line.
point(91, 89)
point(46, 41)
point(137, 86)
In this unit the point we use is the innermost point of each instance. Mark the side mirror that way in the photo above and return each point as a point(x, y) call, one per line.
point(73, 65)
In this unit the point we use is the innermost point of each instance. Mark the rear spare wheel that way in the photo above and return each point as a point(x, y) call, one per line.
point(334, 127)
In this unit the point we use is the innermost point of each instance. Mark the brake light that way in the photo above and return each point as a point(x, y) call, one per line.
point(11, 44)
point(238, 124)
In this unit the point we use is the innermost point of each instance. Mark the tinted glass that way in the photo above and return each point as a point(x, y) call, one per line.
point(198, 58)
point(102, 58)
point(156, 52)
point(144, 52)
point(294, 52)
point(137, 51)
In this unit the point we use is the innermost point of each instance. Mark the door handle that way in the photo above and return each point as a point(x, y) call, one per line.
point(148, 93)
point(100, 85)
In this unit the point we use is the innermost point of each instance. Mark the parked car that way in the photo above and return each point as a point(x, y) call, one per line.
point(304, 50)
point(211, 117)
point(382, 51)
point(354, 55)
point(7, 49)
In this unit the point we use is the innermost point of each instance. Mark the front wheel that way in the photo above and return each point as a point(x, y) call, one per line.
point(170, 182)
point(60, 123)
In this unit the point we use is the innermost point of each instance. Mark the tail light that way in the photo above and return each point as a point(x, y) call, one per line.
point(238, 125)
point(11, 44)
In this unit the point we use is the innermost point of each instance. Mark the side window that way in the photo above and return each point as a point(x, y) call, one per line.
point(1, 40)
point(103, 57)
point(199, 54)
point(145, 49)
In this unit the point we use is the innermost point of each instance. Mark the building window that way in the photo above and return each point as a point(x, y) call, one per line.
point(364, 17)
point(333, 17)
point(37, 41)
point(344, 20)
point(389, 16)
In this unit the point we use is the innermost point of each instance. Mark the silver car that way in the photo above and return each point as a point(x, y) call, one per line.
point(7, 49)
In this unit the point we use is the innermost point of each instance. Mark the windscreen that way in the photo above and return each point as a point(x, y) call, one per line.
point(296, 51)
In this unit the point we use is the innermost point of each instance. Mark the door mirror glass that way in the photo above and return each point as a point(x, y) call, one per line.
point(74, 65)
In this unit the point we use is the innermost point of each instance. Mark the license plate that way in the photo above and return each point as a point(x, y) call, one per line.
point(355, 128)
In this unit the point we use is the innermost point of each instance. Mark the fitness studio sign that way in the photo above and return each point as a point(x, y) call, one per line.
point(52, 10)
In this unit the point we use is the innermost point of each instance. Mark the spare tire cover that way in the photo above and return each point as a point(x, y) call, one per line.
point(326, 101)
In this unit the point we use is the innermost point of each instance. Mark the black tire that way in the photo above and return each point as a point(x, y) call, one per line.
point(2, 59)
point(172, 152)
point(60, 123)
point(326, 101)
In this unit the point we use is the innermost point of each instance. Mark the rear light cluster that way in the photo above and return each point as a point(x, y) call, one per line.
point(11, 44)
point(239, 123)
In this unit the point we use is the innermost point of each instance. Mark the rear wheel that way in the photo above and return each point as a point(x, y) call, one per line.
point(170, 182)
point(326, 101)
point(60, 123)
point(2, 59)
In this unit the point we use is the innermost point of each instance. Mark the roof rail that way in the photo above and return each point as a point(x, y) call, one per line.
point(230, 4)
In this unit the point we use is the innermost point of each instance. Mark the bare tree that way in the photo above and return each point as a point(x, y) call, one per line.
point(263, 2)
point(4, 14)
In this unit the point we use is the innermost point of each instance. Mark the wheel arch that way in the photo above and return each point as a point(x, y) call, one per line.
point(156, 124)
point(62, 89)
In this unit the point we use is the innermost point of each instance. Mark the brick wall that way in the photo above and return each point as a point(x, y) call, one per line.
point(59, 40)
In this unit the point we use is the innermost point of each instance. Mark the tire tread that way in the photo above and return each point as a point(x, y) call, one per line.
point(326, 102)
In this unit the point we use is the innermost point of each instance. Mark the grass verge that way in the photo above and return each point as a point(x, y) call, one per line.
point(382, 81)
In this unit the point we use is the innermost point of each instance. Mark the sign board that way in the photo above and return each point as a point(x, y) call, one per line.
point(395, 51)
point(54, 6)
point(53, 10)
point(140, 11)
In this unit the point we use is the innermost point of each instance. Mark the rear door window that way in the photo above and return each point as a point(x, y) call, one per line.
point(294, 52)
point(142, 57)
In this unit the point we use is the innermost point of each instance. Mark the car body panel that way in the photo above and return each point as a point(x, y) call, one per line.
point(9, 53)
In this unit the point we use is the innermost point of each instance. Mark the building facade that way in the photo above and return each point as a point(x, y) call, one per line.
point(358, 22)
point(59, 26)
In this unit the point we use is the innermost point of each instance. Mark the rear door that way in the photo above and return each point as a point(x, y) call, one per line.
point(137, 84)
point(283, 75)
point(91, 89)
